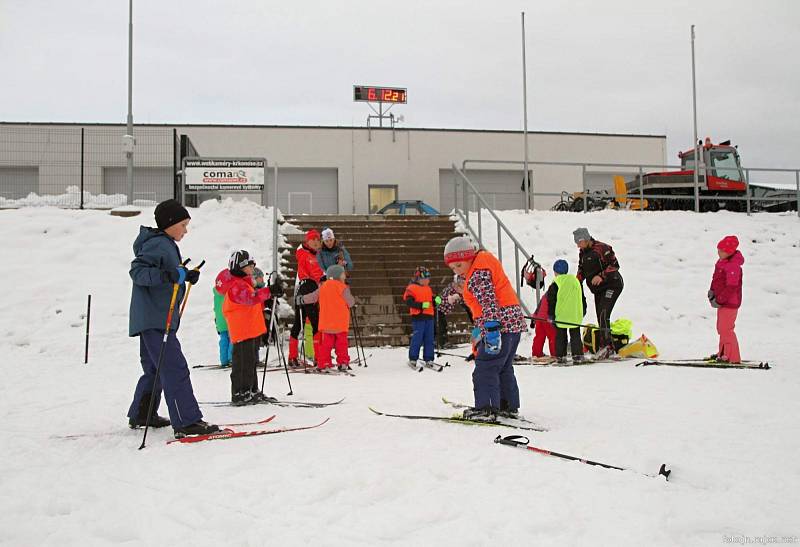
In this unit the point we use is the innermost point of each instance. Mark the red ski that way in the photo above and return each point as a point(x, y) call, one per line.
point(231, 434)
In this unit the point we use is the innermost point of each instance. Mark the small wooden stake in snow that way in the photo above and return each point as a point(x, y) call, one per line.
point(88, 316)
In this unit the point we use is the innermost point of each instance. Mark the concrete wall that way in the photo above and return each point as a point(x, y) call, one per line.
point(412, 161)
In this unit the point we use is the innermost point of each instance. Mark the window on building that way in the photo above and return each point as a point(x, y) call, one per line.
point(381, 195)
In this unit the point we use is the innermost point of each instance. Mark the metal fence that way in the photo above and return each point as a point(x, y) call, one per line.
point(766, 189)
point(85, 167)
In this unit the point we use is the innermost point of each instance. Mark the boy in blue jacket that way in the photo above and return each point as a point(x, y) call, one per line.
point(155, 270)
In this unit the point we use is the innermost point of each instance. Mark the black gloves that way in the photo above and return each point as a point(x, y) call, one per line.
point(192, 276)
point(276, 289)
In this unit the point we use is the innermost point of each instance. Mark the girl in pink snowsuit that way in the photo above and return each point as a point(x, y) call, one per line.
point(726, 296)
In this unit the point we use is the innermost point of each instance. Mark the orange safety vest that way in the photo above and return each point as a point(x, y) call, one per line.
point(334, 314)
point(244, 322)
point(503, 289)
point(419, 294)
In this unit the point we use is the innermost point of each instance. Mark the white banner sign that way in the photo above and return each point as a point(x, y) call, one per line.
point(224, 175)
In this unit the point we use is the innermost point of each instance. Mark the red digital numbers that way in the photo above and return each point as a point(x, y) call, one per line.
point(380, 94)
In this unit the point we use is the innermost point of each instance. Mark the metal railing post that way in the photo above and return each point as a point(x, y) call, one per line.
point(82, 156)
point(275, 251)
point(747, 189)
point(499, 244)
point(797, 186)
point(641, 189)
point(517, 283)
point(583, 183)
point(480, 226)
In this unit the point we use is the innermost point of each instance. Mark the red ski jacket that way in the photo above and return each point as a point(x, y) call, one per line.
point(307, 265)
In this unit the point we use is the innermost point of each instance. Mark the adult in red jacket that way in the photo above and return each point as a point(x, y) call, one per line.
point(309, 276)
point(725, 295)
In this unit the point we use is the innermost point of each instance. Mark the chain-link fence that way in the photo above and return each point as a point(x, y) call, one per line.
point(85, 167)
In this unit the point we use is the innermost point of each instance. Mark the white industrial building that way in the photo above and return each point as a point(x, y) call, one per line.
point(322, 169)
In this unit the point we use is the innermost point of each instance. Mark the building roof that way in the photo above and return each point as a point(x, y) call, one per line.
point(338, 127)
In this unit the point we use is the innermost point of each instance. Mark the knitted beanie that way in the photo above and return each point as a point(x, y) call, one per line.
point(560, 266)
point(581, 234)
point(169, 212)
point(459, 249)
point(327, 234)
point(312, 234)
point(728, 244)
point(334, 271)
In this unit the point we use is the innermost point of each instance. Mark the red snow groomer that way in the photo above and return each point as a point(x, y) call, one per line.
point(720, 176)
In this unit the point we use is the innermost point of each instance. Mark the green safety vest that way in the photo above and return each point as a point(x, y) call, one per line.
point(569, 303)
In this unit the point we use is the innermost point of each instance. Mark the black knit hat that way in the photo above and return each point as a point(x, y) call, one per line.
point(170, 212)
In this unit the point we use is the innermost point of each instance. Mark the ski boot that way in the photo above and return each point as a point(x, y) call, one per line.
point(561, 360)
point(577, 358)
point(198, 428)
point(141, 417)
point(414, 365)
point(260, 397)
point(242, 398)
point(485, 414)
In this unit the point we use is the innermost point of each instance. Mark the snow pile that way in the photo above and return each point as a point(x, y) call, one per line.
point(730, 437)
point(72, 198)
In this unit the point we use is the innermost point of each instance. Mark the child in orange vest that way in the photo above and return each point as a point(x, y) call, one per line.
point(335, 301)
point(419, 297)
point(243, 310)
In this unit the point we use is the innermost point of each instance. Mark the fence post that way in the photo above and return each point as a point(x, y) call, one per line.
point(518, 283)
point(174, 164)
point(747, 189)
point(82, 149)
point(583, 183)
point(480, 228)
point(276, 261)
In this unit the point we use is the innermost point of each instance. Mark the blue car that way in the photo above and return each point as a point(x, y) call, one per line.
point(407, 207)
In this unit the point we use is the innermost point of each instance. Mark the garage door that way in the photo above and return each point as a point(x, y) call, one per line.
point(18, 182)
point(306, 190)
point(149, 183)
point(501, 189)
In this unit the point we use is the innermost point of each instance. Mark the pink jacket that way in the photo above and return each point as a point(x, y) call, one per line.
point(727, 281)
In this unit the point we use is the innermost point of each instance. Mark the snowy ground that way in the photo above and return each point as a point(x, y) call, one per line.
point(731, 437)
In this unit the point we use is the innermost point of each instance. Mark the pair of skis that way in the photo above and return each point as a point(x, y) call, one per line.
point(705, 363)
point(515, 423)
point(421, 365)
point(227, 433)
point(295, 404)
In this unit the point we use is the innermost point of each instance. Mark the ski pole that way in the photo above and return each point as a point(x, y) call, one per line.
point(175, 288)
point(186, 298)
point(565, 323)
point(88, 316)
point(523, 442)
point(359, 339)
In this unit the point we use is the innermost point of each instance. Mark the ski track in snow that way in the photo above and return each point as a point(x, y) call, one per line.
point(730, 437)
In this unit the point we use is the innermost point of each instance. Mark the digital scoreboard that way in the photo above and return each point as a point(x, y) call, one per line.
point(372, 94)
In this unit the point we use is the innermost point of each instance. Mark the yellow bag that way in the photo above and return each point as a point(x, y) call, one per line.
point(641, 347)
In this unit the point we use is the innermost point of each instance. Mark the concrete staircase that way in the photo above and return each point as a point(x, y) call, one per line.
point(385, 250)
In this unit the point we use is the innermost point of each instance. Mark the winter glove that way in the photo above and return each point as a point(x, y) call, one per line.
point(437, 300)
point(475, 335)
point(192, 276)
point(712, 299)
point(298, 299)
point(323, 278)
point(276, 289)
point(491, 340)
point(453, 298)
point(178, 275)
point(426, 305)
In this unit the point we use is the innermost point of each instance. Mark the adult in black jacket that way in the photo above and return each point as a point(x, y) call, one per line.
point(598, 265)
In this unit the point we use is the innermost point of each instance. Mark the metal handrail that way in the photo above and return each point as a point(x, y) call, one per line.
point(463, 214)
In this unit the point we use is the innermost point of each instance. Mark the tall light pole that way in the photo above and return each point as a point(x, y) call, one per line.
point(696, 142)
point(525, 119)
point(128, 141)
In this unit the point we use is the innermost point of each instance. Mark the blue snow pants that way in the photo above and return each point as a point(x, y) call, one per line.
point(493, 378)
point(421, 335)
point(181, 403)
point(225, 348)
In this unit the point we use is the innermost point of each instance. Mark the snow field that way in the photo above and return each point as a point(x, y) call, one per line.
point(731, 437)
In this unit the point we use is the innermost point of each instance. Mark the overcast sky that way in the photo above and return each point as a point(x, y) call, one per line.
point(593, 66)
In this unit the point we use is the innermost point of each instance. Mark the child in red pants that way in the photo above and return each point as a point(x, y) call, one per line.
point(725, 295)
point(543, 329)
point(335, 301)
